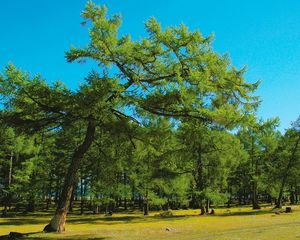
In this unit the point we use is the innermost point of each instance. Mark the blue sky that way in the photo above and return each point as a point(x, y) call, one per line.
point(264, 35)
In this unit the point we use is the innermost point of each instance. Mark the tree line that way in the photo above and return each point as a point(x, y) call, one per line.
point(164, 122)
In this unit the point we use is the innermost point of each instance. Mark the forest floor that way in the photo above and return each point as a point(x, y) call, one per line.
point(234, 224)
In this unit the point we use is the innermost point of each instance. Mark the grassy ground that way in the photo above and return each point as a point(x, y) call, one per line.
point(234, 224)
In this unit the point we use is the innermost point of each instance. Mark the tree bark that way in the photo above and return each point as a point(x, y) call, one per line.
point(57, 223)
point(72, 198)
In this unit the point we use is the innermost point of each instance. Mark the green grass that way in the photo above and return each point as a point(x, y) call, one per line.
point(233, 224)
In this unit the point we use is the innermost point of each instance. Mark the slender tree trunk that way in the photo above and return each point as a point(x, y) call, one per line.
point(200, 179)
point(81, 195)
point(57, 223)
point(286, 172)
point(49, 195)
point(140, 202)
point(125, 184)
point(146, 204)
point(292, 196)
point(10, 168)
point(9, 176)
point(229, 193)
point(254, 181)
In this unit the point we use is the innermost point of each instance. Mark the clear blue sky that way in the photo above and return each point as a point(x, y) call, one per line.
point(262, 34)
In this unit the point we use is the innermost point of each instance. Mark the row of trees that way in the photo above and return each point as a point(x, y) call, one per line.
point(166, 123)
point(161, 165)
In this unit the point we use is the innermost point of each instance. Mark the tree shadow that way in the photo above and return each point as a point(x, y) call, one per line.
point(30, 235)
point(245, 213)
point(23, 221)
point(17, 235)
point(81, 237)
point(124, 219)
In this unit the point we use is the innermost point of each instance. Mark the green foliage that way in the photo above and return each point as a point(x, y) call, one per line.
point(163, 107)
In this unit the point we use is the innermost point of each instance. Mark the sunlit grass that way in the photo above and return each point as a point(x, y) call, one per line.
point(233, 223)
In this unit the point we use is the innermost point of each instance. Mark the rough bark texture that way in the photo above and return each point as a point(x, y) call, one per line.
point(57, 223)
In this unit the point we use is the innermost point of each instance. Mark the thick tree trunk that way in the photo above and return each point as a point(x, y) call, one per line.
point(207, 206)
point(57, 223)
point(72, 198)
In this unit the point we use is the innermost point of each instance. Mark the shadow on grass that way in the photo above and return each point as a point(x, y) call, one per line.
point(41, 236)
point(23, 221)
point(73, 219)
point(81, 237)
point(124, 219)
point(245, 213)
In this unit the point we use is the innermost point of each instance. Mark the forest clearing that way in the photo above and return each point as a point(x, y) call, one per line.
point(149, 132)
point(227, 224)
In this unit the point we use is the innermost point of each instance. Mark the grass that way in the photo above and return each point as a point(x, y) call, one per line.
point(233, 224)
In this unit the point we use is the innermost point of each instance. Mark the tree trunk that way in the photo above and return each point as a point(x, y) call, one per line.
point(207, 206)
point(284, 179)
point(72, 198)
point(10, 169)
point(146, 208)
point(146, 204)
point(81, 196)
point(9, 176)
point(255, 204)
point(57, 223)
point(292, 196)
point(202, 210)
point(254, 181)
point(140, 202)
point(200, 179)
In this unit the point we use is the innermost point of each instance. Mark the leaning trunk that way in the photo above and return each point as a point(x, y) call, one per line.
point(57, 223)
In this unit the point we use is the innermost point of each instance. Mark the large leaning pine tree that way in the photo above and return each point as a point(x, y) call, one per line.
point(172, 73)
